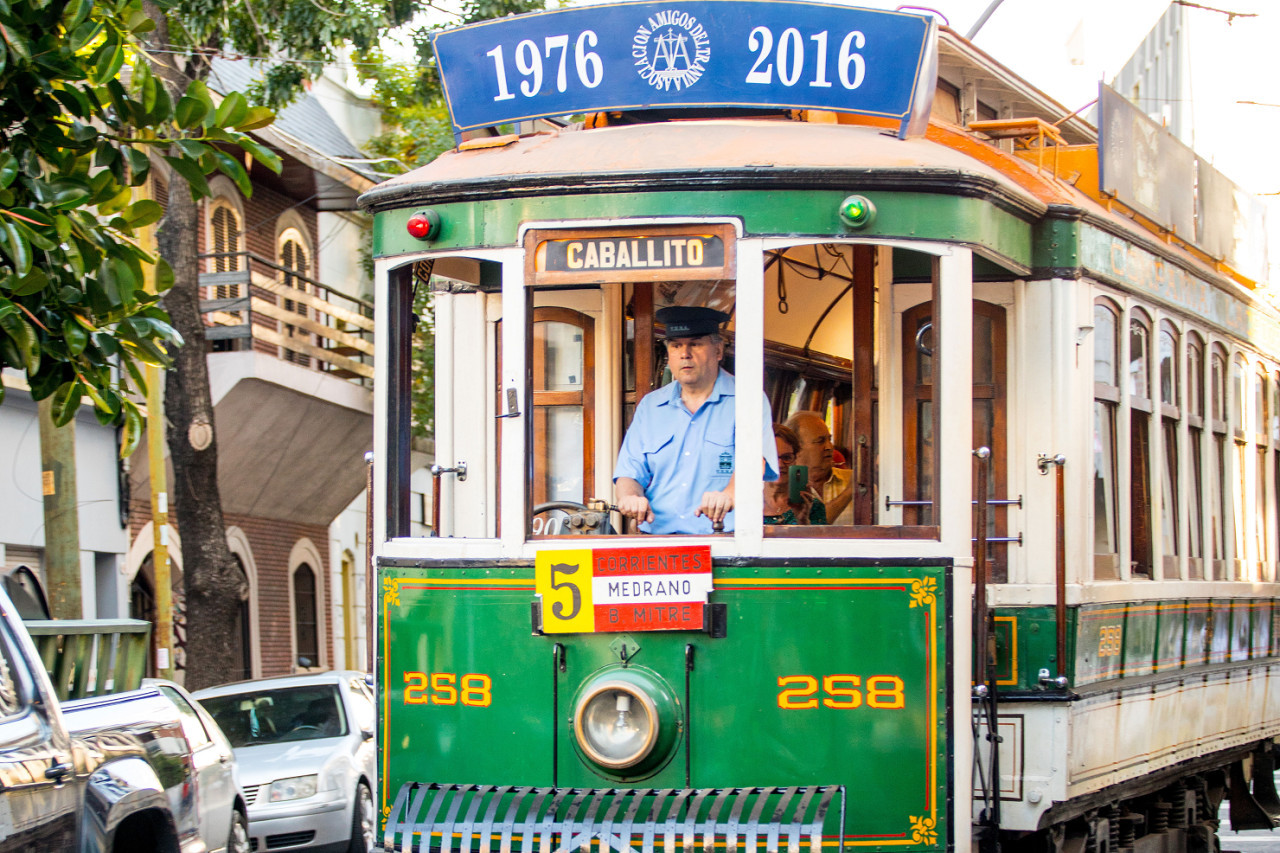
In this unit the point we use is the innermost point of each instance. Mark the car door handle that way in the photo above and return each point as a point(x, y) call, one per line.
point(57, 772)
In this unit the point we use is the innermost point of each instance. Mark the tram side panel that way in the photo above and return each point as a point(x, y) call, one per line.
point(1154, 684)
point(830, 676)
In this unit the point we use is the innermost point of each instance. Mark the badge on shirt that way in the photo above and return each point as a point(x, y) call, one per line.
point(726, 463)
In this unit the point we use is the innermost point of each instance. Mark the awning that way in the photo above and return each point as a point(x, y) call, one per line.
point(506, 818)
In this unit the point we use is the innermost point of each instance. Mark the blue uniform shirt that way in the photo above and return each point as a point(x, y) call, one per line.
point(675, 456)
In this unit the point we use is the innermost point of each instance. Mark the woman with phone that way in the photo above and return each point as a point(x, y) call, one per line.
point(789, 500)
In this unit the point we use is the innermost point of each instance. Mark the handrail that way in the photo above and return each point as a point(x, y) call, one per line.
point(254, 257)
point(92, 657)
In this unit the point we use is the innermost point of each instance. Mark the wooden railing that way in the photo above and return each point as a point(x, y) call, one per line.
point(92, 657)
point(313, 324)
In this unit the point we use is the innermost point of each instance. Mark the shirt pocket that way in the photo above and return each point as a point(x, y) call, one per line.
point(655, 446)
point(719, 456)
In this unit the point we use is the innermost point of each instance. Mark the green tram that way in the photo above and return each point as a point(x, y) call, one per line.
point(1040, 615)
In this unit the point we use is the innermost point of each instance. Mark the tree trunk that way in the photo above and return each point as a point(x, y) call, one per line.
point(210, 574)
point(211, 579)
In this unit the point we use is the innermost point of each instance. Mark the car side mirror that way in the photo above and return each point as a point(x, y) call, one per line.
point(367, 734)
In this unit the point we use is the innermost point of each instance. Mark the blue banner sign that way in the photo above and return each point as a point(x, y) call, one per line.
point(690, 55)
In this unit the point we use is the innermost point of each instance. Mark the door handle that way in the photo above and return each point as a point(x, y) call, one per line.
point(58, 771)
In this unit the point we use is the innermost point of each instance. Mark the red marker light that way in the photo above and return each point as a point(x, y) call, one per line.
point(424, 225)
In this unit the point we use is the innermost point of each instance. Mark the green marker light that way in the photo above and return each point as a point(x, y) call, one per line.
point(857, 211)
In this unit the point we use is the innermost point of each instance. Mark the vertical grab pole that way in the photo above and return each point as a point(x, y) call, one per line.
point(1060, 604)
point(1044, 462)
point(984, 691)
point(980, 615)
point(369, 563)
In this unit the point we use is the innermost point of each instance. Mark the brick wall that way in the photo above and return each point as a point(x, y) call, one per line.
point(272, 542)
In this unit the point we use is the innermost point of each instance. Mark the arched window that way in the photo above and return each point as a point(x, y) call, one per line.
point(1106, 394)
point(1170, 415)
point(224, 238)
point(1261, 417)
point(305, 625)
point(1195, 411)
point(242, 635)
point(1218, 460)
point(295, 262)
point(563, 405)
point(1240, 428)
point(1141, 504)
point(227, 263)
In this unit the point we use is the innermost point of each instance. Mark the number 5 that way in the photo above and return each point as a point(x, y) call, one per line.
point(575, 595)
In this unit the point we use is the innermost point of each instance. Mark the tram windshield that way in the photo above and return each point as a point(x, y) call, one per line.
point(842, 416)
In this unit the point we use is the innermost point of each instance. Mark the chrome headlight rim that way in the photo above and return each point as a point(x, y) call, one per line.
point(638, 695)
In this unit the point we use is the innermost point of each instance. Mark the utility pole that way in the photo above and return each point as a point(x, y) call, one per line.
point(159, 488)
point(61, 515)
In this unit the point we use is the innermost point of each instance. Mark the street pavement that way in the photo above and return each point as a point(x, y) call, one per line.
point(1250, 841)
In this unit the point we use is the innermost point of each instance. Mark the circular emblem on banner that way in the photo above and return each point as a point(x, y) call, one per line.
point(671, 50)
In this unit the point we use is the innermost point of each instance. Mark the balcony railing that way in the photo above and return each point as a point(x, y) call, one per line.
point(251, 302)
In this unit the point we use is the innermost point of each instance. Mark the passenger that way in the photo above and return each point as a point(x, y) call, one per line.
point(777, 506)
point(676, 467)
point(835, 485)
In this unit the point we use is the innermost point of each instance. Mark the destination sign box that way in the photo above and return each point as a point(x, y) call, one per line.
point(690, 55)
point(622, 253)
point(656, 253)
point(605, 590)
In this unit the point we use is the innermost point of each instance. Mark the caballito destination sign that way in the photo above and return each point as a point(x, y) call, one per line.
point(693, 252)
point(599, 590)
point(698, 54)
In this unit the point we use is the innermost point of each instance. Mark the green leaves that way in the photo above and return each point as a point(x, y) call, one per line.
point(73, 312)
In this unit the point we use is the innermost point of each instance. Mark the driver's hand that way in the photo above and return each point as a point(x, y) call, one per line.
point(715, 505)
point(635, 507)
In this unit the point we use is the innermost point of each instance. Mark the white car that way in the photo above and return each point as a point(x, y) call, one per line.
point(220, 802)
point(305, 751)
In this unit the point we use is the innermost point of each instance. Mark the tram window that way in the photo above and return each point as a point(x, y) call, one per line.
point(1195, 440)
point(1170, 415)
point(439, 392)
point(1259, 432)
point(828, 310)
point(1218, 461)
point(1106, 379)
point(1140, 498)
point(1243, 467)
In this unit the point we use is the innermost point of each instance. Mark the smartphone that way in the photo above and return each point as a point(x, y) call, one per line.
point(797, 482)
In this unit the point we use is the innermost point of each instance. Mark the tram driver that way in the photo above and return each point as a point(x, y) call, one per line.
point(676, 468)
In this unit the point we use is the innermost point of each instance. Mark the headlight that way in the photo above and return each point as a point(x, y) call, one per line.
point(294, 788)
point(626, 721)
point(617, 725)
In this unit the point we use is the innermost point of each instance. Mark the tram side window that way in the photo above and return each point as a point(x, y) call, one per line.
point(1242, 467)
point(1195, 408)
point(856, 450)
point(1106, 400)
point(1258, 434)
point(1140, 498)
point(1170, 415)
point(1218, 460)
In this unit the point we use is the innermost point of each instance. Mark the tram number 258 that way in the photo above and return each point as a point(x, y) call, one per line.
point(444, 688)
point(840, 691)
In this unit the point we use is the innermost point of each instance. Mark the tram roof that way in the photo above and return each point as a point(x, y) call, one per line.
point(700, 154)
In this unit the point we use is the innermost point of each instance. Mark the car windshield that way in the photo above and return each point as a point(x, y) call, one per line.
point(276, 716)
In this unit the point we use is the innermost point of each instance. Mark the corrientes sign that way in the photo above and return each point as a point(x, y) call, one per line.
point(690, 55)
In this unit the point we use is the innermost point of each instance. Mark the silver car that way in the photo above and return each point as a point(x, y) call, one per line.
point(306, 757)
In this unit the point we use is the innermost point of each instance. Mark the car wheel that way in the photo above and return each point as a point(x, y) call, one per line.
point(238, 838)
point(362, 821)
